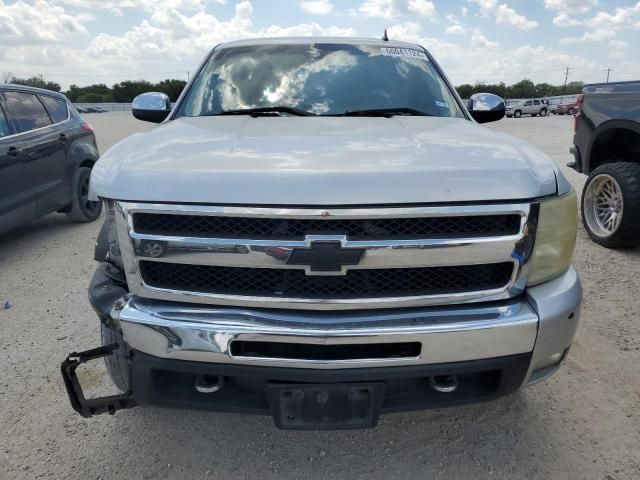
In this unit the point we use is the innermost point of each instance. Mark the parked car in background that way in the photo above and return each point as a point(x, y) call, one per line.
point(81, 110)
point(567, 108)
point(606, 146)
point(533, 107)
point(46, 155)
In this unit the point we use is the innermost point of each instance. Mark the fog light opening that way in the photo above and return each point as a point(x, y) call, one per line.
point(444, 383)
point(209, 383)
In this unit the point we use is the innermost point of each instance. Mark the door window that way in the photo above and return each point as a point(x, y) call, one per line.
point(527, 103)
point(536, 102)
point(56, 107)
point(27, 112)
point(4, 124)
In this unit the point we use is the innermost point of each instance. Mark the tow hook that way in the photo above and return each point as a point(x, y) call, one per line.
point(444, 383)
point(209, 383)
point(88, 407)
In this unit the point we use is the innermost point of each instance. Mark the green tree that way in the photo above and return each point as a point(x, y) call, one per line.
point(129, 89)
point(38, 82)
point(78, 94)
point(465, 90)
point(172, 88)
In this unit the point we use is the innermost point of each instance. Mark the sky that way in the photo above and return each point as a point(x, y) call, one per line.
point(105, 41)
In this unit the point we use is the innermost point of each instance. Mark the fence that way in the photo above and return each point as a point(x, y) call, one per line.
point(112, 107)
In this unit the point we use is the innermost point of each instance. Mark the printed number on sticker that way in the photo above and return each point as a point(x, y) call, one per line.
point(403, 52)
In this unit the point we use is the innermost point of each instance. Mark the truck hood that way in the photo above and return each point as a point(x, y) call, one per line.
point(322, 161)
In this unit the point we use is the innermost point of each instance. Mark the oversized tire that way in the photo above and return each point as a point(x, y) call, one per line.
point(611, 205)
point(118, 363)
point(517, 114)
point(82, 209)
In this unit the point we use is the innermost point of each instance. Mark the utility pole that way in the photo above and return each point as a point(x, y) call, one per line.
point(608, 70)
point(566, 76)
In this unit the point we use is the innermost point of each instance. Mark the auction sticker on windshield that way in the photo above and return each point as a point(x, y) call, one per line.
point(403, 52)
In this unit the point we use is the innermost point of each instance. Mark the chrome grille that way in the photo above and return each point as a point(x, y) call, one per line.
point(274, 282)
point(406, 257)
point(354, 229)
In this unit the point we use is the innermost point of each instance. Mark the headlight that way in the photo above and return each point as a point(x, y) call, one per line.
point(555, 238)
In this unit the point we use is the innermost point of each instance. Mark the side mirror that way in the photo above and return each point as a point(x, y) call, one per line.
point(486, 107)
point(151, 107)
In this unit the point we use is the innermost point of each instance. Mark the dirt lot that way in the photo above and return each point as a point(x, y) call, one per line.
point(584, 423)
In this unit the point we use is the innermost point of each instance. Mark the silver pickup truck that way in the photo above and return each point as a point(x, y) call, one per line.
point(320, 230)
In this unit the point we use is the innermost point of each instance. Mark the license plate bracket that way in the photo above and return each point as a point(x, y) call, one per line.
point(326, 406)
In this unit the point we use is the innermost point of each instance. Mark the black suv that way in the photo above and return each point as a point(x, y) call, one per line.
point(46, 155)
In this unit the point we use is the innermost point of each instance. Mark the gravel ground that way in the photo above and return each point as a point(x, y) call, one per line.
point(582, 423)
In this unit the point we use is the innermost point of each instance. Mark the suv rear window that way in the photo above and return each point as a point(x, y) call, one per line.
point(27, 111)
point(56, 107)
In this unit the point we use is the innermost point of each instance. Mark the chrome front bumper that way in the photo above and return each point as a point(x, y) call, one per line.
point(543, 321)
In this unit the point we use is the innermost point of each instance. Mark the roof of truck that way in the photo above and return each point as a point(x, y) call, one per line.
point(316, 40)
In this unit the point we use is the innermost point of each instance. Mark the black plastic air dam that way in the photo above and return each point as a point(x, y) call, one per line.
point(170, 383)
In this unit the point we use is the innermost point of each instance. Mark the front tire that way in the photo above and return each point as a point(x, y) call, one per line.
point(543, 113)
point(517, 114)
point(118, 363)
point(611, 205)
point(82, 209)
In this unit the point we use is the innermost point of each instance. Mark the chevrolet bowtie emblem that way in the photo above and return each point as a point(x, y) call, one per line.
point(325, 256)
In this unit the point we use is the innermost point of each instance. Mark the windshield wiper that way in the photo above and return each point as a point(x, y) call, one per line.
point(385, 112)
point(256, 112)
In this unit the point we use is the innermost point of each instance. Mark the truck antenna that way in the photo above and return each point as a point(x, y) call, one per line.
point(385, 37)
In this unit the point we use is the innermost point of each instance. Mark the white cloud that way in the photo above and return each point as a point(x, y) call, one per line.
point(407, 31)
point(455, 29)
point(508, 16)
point(464, 11)
point(389, 9)
point(117, 6)
point(570, 6)
point(604, 25)
point(480, 41)
point(42, 22)
point(618, 48)
point(597, 35)
point(504, 14)
point(54, 38)
point(317, 7)
point(563, 20)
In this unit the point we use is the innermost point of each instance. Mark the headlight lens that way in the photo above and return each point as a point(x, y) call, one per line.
point(555, 238)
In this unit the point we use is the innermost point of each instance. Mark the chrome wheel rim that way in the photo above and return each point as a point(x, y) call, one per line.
point(603, 205)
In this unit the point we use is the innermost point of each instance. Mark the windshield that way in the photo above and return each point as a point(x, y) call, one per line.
point(319, 79)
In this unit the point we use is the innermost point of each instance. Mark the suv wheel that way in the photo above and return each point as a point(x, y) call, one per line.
point(82, 209)
point(543, 112)
point(517, 114)
point(611, 205)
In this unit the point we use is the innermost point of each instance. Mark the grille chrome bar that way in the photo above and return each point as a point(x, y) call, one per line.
point(273, 253)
